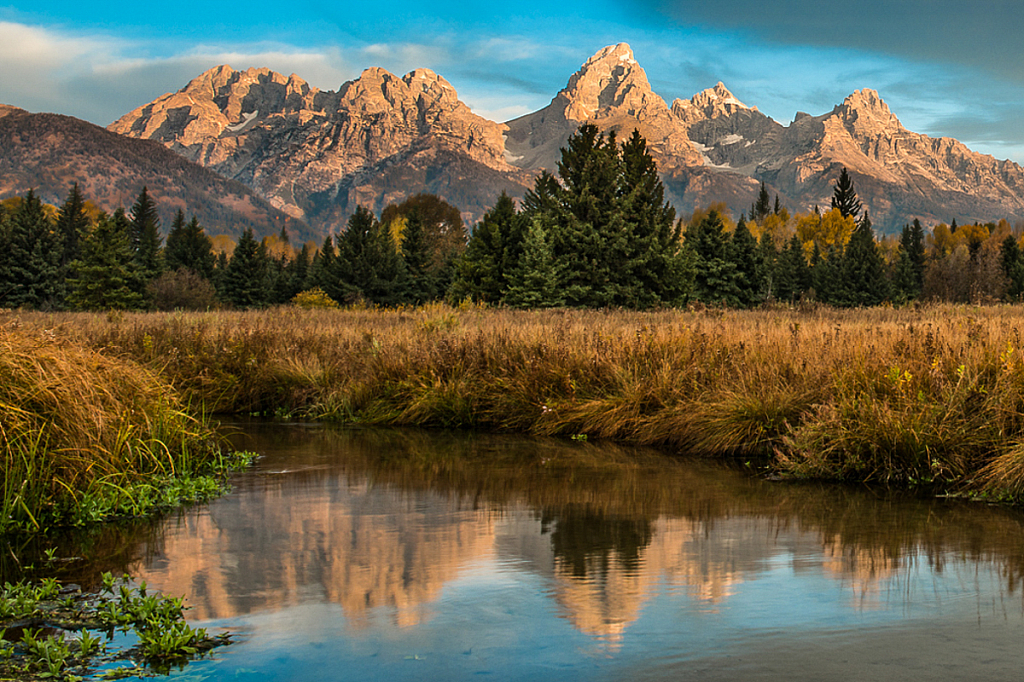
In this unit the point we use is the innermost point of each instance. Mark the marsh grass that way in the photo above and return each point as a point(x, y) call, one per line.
point(930, 396)
point(84, 436)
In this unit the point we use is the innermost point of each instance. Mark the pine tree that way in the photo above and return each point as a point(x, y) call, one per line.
point(72, 225)
point(586, 231)
point(298, 271)
point(481, 272)
point(189, 247)
point(421, 285)
point(844, 196)
point(31, 275)
point(543, 198)
point(145, 237)
point(828, 277)
point(716, 280)
point(909, 274)
point(792, 274)
point(321, 269)
point(863, 276)
point(535, 282)
point(1012, 262)
point(650, 238)
point(767, 258)
point(749, 270)
point(6, 283)
point(368, 263)
point(245, 280)
point(762, 207)
point(107, 276)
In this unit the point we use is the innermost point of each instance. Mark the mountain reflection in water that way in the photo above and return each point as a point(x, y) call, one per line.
point(397, 527)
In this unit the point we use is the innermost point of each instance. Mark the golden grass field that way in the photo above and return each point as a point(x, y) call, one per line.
point(929, 395)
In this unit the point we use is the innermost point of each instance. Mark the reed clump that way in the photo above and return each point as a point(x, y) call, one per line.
point(84, 436)
point(930, 395)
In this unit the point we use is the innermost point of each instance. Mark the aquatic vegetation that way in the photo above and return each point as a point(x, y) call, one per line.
point(924, 396)
point(52, 631)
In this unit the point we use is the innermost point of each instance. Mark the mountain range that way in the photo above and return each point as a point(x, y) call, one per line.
point(315, 155)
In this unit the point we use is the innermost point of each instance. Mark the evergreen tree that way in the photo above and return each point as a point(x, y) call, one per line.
point(107, 276)
point(189, 247)
point(1012, 262)
point(844, 196)
point(321, 270)
point(792, 274)
point(828, 277)
point(298, 271)
point(368, 263)
point(6, 283)
point(864, 277)
point(767, 259)
point(650, 237)
point(762, 207)
point(30, 272)
point(145, 237)
point(245, 280)
point(535, 282)
point(482, 271)
point(220, 270)
point(909, 275)
point(749, 269)
point(72, 225)
point(716, 280)
point(421, 285)
point(585, 231)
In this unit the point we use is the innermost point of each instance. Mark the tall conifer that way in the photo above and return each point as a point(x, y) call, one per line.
point(107, 276)
point(32, 273)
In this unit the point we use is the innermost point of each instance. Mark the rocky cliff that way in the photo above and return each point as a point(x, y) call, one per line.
point(900, 175)
point(317, 154)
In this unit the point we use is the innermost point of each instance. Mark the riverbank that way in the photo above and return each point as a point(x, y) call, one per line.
point(930, 396)
point(86, 436)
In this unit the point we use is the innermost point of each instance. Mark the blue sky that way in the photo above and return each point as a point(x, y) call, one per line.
point(945, 68)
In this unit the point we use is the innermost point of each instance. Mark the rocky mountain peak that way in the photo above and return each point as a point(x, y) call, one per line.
point(708, 104)
point(317, 154)
point(611, 91)
point(611, 79)
point(864, 113)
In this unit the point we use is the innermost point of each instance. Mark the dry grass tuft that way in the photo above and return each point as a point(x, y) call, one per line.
point(74, 422)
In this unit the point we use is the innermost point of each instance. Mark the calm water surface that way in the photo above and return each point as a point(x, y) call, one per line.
point(405, 555)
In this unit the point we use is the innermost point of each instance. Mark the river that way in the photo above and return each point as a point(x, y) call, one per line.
point(358, 554)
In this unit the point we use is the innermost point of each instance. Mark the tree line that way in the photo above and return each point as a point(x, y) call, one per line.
point(600, 234)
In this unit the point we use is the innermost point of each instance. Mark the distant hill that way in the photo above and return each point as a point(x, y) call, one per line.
point(49, 153)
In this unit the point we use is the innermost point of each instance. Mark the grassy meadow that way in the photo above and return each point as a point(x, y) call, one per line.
point(929, 396)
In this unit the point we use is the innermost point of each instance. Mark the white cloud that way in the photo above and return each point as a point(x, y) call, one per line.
point(99, 78)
